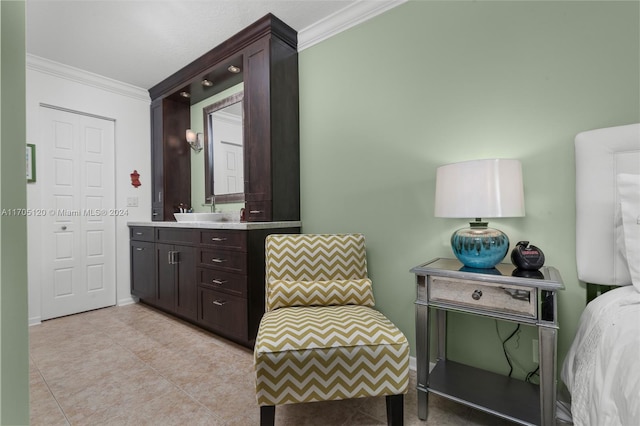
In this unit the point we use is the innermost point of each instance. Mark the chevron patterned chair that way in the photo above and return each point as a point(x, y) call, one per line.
point(320, 339)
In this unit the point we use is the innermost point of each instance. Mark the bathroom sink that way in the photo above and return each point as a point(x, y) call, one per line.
point(208, 217)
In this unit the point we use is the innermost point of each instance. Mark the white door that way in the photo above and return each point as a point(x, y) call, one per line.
point(76, 154)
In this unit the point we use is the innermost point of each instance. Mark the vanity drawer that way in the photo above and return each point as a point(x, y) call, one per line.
point(227, 282)
point(176, 235)
point(494, 297)
point(222, 312)
point(141, 233)
point(221, 238)
point(258, 211)
point(224, 260)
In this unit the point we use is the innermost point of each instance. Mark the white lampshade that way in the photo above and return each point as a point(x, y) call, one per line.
point(480, 189)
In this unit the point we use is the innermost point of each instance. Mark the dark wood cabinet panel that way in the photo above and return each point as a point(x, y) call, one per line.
point(225, 239)
point(176, 279)
point(141, 233)
point(223, 313)
point(223, 281)
point(166, 277)
point(171, 157)
point(143, 279)
point(176, 235)
point(186, 284)
point(224, 260)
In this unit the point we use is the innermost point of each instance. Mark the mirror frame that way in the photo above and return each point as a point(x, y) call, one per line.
point(208, 149)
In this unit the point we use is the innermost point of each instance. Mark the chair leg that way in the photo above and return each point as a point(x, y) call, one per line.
point(267, 415)
point(395, 410)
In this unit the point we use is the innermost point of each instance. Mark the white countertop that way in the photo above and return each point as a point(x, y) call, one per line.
point(220, 225)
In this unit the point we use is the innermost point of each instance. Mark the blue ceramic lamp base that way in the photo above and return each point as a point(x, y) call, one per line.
point(479, 246)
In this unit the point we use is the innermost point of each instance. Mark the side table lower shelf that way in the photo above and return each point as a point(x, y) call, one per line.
point(493, 393)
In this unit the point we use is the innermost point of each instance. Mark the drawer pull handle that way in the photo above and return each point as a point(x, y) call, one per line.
point(139, 248)
point(477, 294)
point(255, 211)
point(518, 294)
point(215, 260)
point(219, 302)
point(218, 239)
point(218, 282)
point(139, 233)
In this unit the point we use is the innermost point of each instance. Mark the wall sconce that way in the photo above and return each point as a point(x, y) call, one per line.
point(194, 140)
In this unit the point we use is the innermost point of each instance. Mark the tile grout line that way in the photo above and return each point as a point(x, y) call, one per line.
point(50, 391)
point(160, 374)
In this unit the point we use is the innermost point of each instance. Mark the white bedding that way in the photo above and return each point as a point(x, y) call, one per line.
point(602, 369)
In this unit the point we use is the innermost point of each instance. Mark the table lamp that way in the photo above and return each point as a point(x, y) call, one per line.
point(479, 189)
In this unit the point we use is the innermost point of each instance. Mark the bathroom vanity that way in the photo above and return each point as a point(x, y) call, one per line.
point(208, 273)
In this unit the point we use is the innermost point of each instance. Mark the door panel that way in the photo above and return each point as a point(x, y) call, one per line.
point(143, 279)
point(165, 275)
point(186, 300)
point(78, 239)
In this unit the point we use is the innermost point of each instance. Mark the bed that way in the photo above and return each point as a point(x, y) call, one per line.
point(602, 368)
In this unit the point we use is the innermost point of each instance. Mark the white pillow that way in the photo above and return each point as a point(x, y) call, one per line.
point(629, 191)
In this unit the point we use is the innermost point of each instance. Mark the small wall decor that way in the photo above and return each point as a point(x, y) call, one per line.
point(135, 179)
point(31, 162)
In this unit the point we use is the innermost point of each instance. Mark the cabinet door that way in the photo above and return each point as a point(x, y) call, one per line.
point(165, 276)
point(157, 156)
point(170, 157)
point(186, 287)
point(143, 279)
point(257, 160)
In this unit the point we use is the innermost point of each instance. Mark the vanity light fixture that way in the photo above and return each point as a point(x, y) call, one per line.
point(207, 83)
point(234, 69)
point(477, 189)
point(194, 140)
point(185, 94)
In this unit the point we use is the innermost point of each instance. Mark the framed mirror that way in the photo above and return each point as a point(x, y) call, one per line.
point(224, 149)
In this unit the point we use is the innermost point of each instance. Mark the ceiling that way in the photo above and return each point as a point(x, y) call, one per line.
point(142, 42)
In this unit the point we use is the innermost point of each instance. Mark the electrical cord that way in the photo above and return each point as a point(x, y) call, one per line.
point(504, 345)
point(531, 374)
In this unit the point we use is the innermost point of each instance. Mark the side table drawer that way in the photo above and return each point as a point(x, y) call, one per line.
point(509, 299)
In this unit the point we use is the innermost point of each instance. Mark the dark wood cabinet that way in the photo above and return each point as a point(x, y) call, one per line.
point(175, 271)
point(143, 280)
point(176, 279)
point(272, 157)
point(165, 275)
point(213, 278)
point(267, 53)
point(170, 157)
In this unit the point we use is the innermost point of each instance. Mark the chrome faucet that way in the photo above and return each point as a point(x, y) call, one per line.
point(211, 201)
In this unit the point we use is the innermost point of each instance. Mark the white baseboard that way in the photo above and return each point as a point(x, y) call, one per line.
point(126, 301)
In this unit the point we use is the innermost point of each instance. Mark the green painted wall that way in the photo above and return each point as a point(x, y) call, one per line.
point(14, 342)
point(434, 82)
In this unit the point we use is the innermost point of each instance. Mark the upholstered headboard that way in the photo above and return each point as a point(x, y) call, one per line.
point(600, 156)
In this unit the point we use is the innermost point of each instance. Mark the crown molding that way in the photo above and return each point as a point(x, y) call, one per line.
point(352, 15)
point(47, 66)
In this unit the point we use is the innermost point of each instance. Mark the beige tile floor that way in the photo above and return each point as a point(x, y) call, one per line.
point(133, 365)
